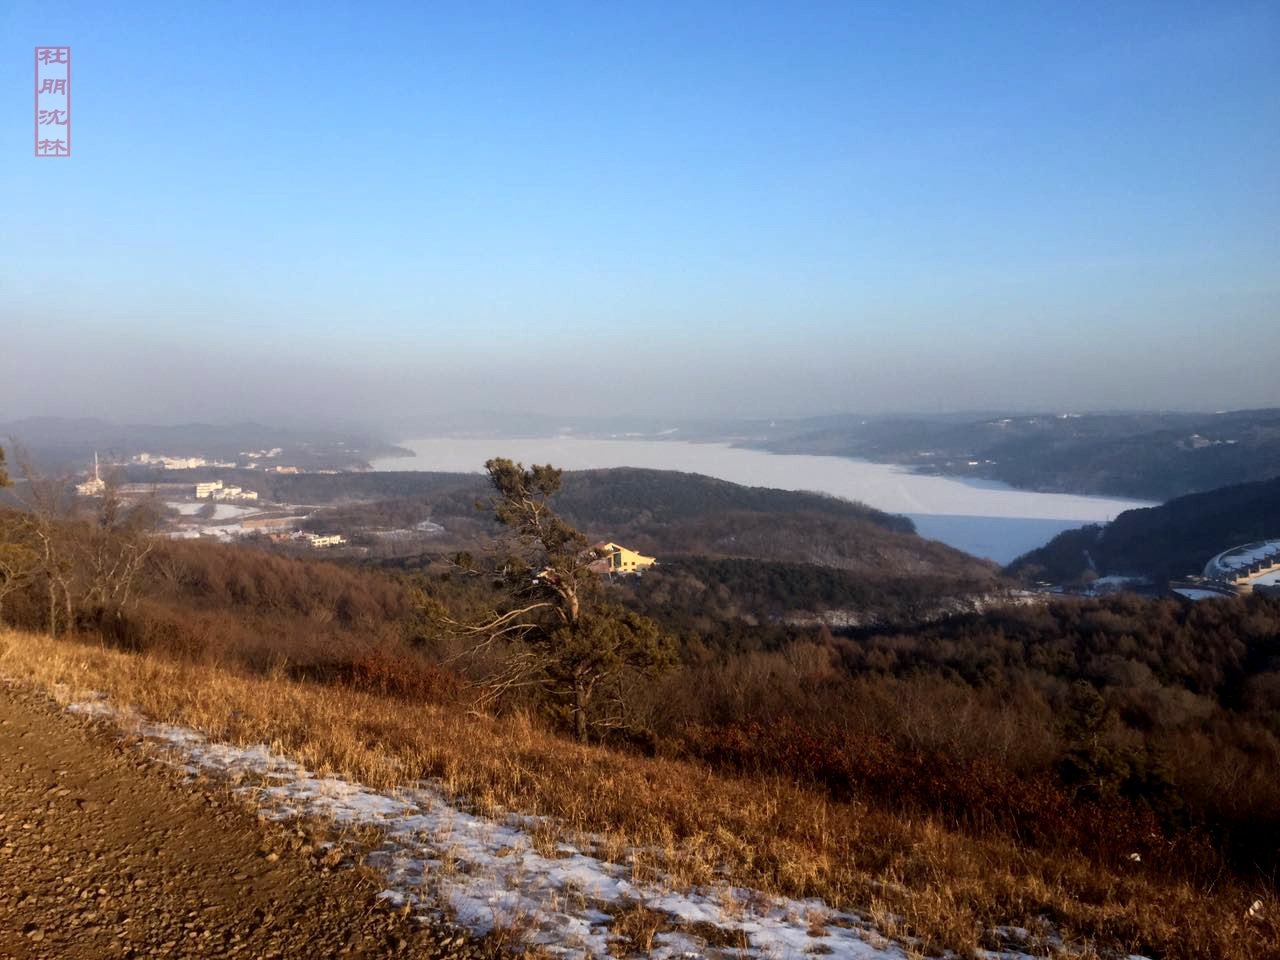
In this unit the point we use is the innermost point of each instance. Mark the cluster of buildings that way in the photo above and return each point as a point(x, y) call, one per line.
point(284, 529)
point(254, 461)
point(262, 454)
point(214, 490)
point(251, 522)
point(178, 463)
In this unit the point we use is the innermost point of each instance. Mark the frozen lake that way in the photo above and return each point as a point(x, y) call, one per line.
point(983, 518)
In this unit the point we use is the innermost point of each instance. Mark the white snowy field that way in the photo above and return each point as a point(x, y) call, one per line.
point(489, 873)
point(221, 511)
point(983, 518)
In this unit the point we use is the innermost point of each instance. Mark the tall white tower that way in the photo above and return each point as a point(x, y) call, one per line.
point(91, 488)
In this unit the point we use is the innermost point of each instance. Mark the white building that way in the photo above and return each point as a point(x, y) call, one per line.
point(320, 542)
point(208, 489)
point(175, 463)
point(234, 493)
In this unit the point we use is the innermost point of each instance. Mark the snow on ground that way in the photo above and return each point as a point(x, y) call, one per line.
point(227, 511)
point(1195, 593)
point(426, 528)
point(491, 873)
point(224, 531)
point(221, 511)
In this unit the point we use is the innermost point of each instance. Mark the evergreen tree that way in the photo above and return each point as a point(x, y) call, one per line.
point(556, 624)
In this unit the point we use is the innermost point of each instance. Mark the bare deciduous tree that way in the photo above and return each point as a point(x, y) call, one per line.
point(114, 550)
point(44, 529)
point(18, 562)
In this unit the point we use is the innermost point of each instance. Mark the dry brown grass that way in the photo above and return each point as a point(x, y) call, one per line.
point(942, 887)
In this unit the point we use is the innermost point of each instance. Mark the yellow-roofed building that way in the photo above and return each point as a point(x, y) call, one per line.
point(616, 558)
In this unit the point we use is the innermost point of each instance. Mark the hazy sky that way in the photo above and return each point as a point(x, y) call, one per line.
point(373, 210)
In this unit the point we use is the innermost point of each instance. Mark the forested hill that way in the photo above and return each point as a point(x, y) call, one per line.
point(1168, 541)
point(1154, 456)
point(660, 512)
point(668, 496)
point(666, 512)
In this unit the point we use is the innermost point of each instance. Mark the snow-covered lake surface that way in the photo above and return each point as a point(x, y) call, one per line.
point(494, 872)
point(983, 518)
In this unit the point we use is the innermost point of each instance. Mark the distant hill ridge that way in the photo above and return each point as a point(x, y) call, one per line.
point(1153, 456)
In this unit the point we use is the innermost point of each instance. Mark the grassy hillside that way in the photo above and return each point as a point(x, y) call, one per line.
point(1168, 541)
point(996, 768)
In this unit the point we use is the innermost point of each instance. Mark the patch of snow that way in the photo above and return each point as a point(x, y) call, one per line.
point(1195, 593)
point(490, 873)
point(228, 511)
point(1117, 580)
point(221, 511)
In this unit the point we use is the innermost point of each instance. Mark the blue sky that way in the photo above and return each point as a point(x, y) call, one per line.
point(738, 208)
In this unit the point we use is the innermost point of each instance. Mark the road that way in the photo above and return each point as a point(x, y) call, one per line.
point(106, 854)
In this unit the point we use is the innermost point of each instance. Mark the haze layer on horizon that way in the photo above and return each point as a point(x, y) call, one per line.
point(376, 212)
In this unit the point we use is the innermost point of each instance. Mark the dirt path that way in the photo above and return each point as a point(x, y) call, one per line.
point(106, 854)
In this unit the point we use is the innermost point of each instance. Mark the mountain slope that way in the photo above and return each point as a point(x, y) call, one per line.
point(1171, 540)
point(660, 512)
point(666, 512)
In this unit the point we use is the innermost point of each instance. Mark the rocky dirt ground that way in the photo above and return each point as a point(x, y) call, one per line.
point(104, 853)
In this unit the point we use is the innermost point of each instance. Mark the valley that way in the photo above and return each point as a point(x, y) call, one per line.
point(984, 518)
